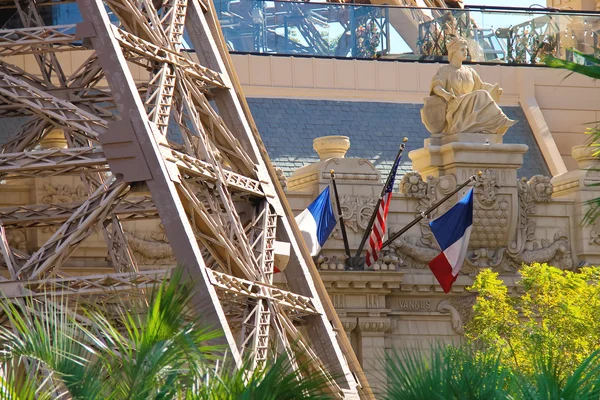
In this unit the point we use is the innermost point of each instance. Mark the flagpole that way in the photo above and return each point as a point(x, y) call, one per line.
point(428, 211)
point(367, 232)
point(341, 218)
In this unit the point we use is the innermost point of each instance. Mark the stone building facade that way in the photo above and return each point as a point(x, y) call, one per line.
point(529, 201)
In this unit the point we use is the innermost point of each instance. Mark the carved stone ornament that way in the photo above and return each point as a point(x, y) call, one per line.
point(491, 222)
point(329, 263)
point(374, 324)
point(281, 177)
point(349, 324)
point(412, 185)
point(356, 211)
point(460, 310)
point(540, 188)
point(63, 194)
point(151, 249)
point(595, 232)
point(17, 240)
point(486, 187)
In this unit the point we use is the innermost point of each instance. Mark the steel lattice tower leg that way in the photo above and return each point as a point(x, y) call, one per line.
point(215, 192)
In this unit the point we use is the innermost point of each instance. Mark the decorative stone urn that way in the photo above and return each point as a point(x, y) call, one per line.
point(331, 146)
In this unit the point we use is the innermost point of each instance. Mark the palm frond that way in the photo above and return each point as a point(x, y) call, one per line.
point(155, 347)
point(592, 71)
point(445, 372)
point(547, 382)
point(45, 334)
point(278, 381)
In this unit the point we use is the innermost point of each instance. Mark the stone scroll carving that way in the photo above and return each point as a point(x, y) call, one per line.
point(488, 245)
point(460, 310)
point(356, 211)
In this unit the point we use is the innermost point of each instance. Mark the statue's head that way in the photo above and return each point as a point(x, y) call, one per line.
point(457, 47)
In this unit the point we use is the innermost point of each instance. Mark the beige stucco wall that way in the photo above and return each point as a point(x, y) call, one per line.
point(565, 103)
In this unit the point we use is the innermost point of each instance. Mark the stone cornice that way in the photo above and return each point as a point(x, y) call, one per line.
point(374, 280)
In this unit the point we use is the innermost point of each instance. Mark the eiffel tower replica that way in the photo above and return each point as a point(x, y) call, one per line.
point(180, 145)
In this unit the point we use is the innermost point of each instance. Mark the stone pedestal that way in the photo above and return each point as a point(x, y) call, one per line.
point(463, 154)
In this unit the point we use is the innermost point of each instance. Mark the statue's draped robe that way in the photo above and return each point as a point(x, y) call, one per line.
point(475, 109)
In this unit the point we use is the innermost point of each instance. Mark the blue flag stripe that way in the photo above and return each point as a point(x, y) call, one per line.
point(322, 211)
point(451, 226)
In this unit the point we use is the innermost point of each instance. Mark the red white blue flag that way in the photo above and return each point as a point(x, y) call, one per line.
point(376, 237)
point(452, 231)
point(317, 222)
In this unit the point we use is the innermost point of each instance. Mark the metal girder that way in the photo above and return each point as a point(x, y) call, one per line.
point(47, 105)
point(55, 38)
point(161, 185)
point(256, 290)
point(7, 254)
point(215, 194)
point(78, 227)
point(51, 162)
point(44, 215)
point(301, 275)
point(104, 285)
point(195, 167)
point(135, 47)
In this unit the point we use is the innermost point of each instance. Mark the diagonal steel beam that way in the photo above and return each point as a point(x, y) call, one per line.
point(135, 45)
point(43, 215)
point(36, 40)
point(47, 105)
point(51, 162)
point(160, 178)
point(78, 227)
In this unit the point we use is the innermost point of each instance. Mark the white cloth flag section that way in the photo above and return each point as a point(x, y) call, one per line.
point(317, 222)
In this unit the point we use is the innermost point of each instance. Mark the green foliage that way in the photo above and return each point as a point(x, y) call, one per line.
point(467, 373)
point(147, 348)
point(592, 70)
point(445, 373)
point(556, 314)
point(276, 382)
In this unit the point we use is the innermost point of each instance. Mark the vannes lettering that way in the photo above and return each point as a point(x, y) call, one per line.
point(414, 304)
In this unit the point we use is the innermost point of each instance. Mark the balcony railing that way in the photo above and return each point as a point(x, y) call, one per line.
point(509, 36)
point(513, 36)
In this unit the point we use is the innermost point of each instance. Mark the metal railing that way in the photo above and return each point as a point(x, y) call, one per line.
point(508, 36)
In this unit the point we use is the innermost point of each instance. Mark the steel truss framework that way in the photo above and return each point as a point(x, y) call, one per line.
point(214, 191)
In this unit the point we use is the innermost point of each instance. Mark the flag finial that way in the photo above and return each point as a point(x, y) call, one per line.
point(332, 172)
point(405, 139)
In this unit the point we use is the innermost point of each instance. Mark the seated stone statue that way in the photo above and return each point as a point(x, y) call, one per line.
point(460, 101)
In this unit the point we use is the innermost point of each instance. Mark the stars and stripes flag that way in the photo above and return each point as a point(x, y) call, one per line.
point(376, 237)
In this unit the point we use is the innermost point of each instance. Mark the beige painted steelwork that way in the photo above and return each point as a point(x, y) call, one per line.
point(215, 193)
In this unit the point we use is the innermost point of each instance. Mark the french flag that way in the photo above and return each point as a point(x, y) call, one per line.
point(452, 231)
point(317, 222)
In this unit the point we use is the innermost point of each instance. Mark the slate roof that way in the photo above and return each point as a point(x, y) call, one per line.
point(288, 127)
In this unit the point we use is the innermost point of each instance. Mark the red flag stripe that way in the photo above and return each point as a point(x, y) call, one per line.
point(378, 232)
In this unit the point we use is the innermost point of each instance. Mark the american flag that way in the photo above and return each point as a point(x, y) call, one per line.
point(376, 238)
